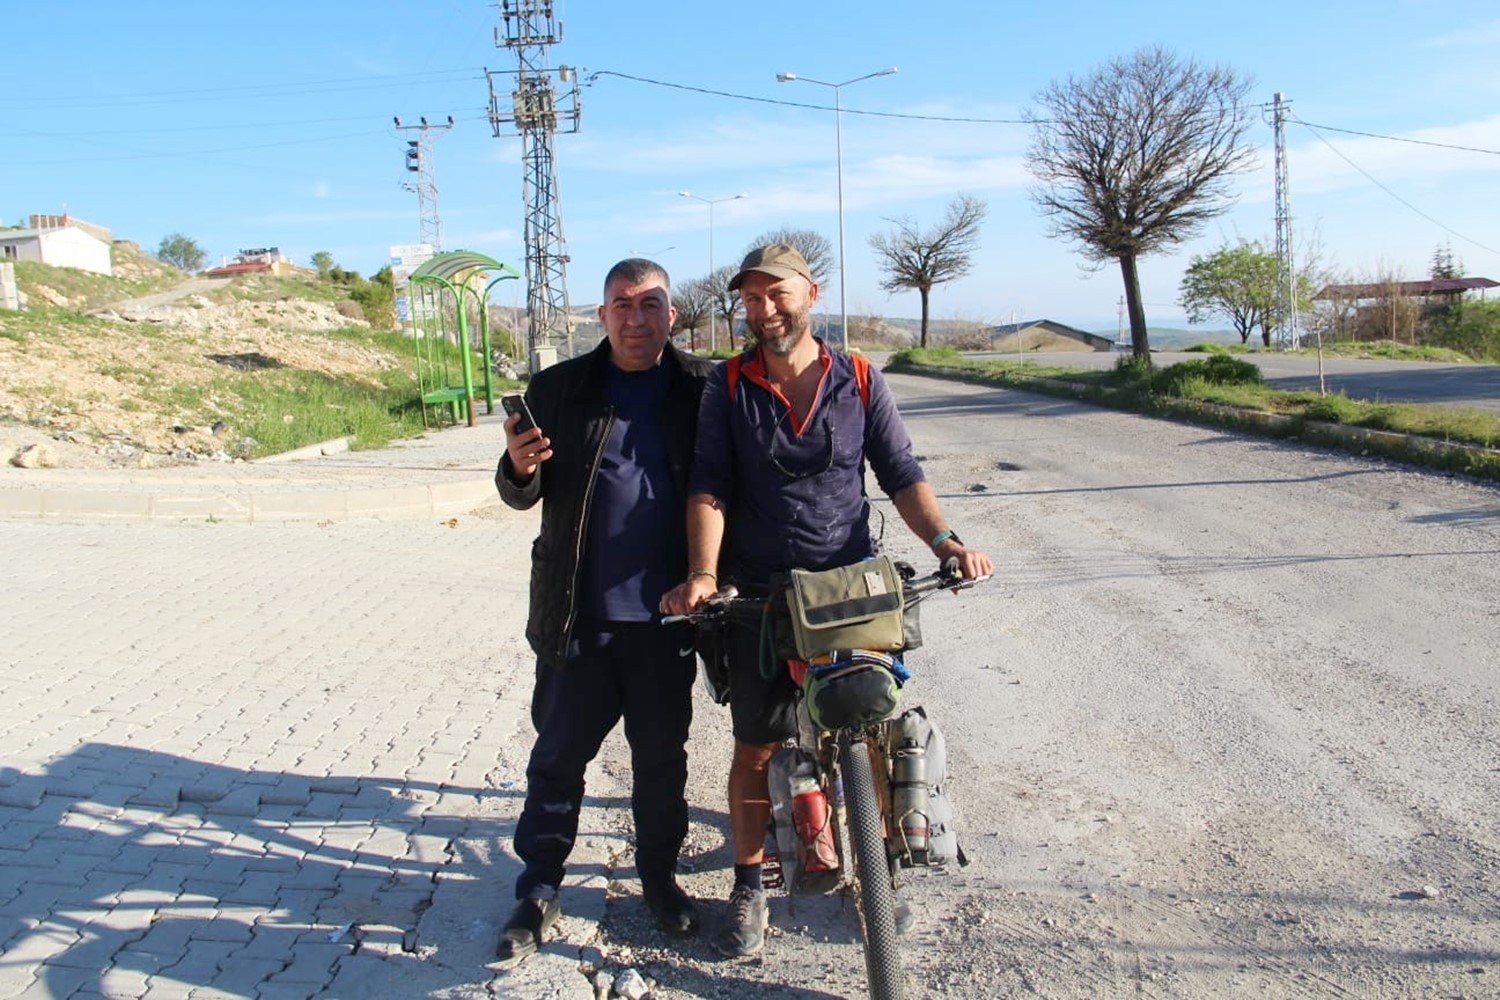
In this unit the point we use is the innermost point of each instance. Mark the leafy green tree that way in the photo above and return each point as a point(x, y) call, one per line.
point(323, 261)
point(1444, 265)
point(181, 252)
point(1236, 282)
point(376, 297)
point(1136, 157)
point(915, 260)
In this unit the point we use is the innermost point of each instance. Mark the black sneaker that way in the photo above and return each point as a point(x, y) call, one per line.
point(744, 930)
point(673, 910)
point(528, 924)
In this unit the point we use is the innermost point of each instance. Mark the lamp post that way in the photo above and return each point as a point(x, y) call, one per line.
point(711, 202)
point(838, 129)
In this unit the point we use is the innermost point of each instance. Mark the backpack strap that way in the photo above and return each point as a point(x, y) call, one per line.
point(859, 361)
point(862, 377)
point(732, 373)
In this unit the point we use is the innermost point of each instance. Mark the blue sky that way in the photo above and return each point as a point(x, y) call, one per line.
point(271, 124)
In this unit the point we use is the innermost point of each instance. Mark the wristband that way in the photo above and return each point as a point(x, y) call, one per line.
point(694, 574)
point(943, 536)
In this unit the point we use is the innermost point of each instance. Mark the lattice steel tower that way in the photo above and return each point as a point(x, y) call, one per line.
point(1286, 265)
point(419, 162)
point(536, 114)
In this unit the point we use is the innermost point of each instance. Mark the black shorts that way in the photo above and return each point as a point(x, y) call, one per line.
point(763, 709)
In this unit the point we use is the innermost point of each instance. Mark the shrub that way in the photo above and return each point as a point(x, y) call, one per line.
point(1219, 369)
point(1472, 329)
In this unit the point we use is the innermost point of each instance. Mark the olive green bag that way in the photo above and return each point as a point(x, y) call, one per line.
point(851, 607)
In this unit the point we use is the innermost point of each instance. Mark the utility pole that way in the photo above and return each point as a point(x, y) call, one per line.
point(1286, 267)
point(536, 113)
point(419, 162)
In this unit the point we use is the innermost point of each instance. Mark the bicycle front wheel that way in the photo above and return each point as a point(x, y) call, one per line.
point(874, 896)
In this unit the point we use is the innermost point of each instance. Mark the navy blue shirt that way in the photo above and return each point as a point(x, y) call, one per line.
point(634, 545)
point(795, 493)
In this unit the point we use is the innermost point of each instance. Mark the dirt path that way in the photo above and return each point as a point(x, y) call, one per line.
point(145, 303)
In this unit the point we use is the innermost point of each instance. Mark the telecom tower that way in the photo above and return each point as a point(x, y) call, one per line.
point(1286, 265)
point(419, 162)
point(537, 112)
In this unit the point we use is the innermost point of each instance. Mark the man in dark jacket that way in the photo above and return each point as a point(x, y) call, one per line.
point(609, 460)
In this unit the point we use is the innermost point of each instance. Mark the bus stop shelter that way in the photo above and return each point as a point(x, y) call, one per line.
point(444, 291)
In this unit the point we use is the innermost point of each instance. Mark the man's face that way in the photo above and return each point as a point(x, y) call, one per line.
point(777, 309)
point(638, 320)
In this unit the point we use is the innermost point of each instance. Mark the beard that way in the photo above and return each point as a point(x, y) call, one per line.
point(796, 325)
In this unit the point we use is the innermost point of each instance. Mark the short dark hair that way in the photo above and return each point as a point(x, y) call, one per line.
point(635, 270)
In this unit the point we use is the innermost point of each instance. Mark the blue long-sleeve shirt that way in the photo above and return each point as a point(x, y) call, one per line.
point(794, 494)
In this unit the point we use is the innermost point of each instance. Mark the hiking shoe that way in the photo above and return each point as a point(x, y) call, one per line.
point(528, 924)
point(744, 930)
point(673, 910)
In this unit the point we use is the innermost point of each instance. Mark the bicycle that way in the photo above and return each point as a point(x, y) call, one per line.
point(854, 772)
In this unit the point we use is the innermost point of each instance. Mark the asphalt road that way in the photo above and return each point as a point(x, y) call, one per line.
point(1391, 381)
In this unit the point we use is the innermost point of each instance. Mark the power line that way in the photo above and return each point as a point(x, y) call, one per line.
point(280, 89)
point(795, 104)
point(1366, 174)
point(1397, 138)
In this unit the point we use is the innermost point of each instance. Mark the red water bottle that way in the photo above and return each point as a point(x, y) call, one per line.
point(815, 851)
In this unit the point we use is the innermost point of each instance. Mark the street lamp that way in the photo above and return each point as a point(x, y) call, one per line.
point(711, 202)
point(839, 138)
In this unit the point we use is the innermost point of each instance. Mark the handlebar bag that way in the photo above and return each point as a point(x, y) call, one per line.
point(859, 686)
point(858, 606)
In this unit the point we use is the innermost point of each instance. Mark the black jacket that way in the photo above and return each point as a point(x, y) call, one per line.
point(569, 405)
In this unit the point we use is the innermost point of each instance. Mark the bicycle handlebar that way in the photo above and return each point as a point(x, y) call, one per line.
point(727, 602)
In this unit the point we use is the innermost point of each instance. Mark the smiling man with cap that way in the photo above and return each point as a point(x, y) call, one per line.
point(784, 432)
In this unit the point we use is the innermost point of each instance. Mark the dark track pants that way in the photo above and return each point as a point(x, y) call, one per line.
point(643, 672)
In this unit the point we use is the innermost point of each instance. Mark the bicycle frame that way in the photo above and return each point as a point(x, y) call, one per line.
point(853, 767)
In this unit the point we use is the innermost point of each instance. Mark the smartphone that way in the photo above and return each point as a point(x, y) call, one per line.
point(517, 404)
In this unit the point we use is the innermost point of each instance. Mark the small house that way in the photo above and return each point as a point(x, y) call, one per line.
point(61, 242)
point(1045, 335)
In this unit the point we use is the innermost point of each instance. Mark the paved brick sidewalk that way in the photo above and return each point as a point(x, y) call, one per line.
point(441, 472)
point(255, 760)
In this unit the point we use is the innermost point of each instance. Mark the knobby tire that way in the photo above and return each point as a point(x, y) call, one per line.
point(874, 896)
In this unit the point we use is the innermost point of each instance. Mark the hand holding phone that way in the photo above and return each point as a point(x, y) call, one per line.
point(517, 404)
point(536, 449)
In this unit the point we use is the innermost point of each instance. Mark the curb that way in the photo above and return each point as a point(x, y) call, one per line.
point(333, 447)
point(435, 499)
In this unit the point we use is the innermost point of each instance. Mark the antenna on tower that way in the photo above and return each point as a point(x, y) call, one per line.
point(419, 162)
point(536, 113)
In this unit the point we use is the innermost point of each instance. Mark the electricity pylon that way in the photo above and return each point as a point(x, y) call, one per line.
point(536, 114)
point(419, 162)
point(1286, 265)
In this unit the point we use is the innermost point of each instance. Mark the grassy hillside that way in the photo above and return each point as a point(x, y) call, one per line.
point(255, 367)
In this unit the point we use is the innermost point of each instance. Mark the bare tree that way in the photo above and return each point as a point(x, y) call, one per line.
point(920, 260)
point(726, 304)
point(695, 307)
point(1137, 156)
point(813, 246)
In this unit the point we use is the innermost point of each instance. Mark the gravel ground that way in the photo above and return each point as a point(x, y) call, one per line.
point(1222, 726)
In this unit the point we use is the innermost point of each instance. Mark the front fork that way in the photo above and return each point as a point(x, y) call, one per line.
point(872, 740)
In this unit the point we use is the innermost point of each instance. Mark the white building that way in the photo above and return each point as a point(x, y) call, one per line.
point(60, 242)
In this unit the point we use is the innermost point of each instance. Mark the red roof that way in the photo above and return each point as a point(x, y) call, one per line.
point(1415, 289)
